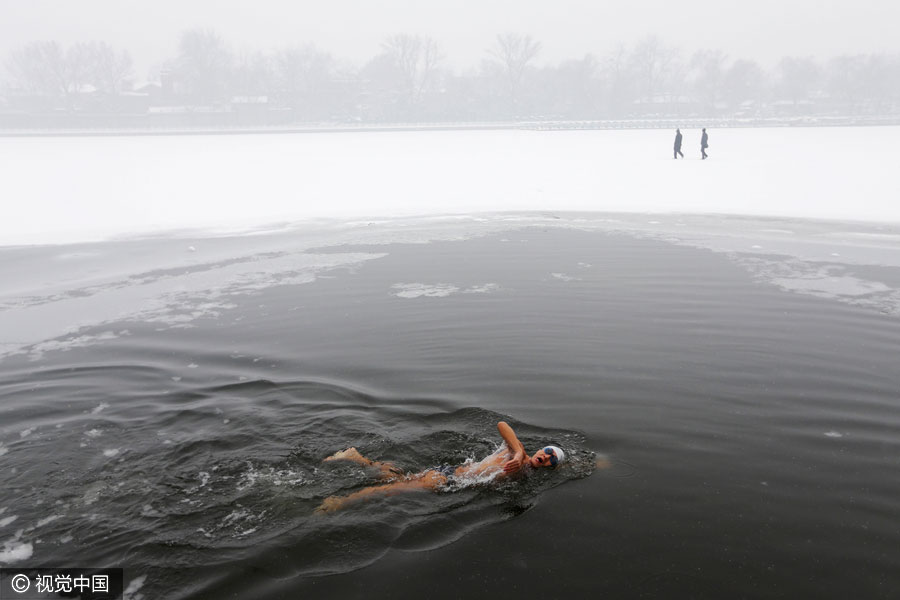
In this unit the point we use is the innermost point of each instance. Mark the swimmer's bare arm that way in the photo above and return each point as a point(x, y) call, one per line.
point(513, 443)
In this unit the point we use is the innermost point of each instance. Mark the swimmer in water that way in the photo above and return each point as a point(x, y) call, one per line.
point(508, 460)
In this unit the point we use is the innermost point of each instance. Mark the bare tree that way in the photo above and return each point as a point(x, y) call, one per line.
point(45, 69)
point(302, 77)
point(39, 68)
point(653, 63)
point(571, 89)
point(619, 81)
point(203, 66)
point(416, 60)
point(798, 78)
point(515, 53)
point(251, 74)
point(109, 70)
point(863, 82)
point(708, 68)
point(744, 81)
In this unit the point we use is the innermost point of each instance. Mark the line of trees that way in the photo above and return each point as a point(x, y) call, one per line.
point(409, 80)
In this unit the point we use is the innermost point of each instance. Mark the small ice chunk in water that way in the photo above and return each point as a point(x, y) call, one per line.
point(111, 452)
point(423, 290)
point(46, 520)
point(833, 434)
point(191, 249)
point(14, 552)
point(8, 520)
point(99, 407)
point(192, 366)
point(131, 592)
point(25, 433)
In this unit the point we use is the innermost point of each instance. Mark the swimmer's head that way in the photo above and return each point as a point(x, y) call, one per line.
point(548, 456)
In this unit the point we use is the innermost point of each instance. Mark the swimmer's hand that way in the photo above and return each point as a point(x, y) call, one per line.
point(515, 463)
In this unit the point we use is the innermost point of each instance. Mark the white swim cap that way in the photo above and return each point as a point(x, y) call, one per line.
point(560, 455)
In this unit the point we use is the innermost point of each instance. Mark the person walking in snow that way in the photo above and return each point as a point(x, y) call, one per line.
point(704, 144)
point(678, 144)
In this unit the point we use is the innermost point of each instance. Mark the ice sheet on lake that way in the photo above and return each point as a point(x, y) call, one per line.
point(48, 310)
point(86, 188)
point(359, 188)
point(42, 315)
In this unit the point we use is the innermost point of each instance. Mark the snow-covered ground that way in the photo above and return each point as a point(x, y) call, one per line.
point(71, 189)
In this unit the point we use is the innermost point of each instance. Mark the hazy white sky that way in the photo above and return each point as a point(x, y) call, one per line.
point(353, 29)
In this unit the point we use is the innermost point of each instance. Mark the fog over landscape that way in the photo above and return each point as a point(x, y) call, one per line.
point(355, 29)
point(472, 299)
point(130, 64)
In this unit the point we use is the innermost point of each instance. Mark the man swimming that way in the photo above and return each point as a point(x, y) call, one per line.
point(507, 460)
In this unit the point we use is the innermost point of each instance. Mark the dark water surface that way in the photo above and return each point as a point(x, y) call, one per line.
point(731, 439)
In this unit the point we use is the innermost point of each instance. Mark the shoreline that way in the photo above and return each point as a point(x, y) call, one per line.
point(527, 125)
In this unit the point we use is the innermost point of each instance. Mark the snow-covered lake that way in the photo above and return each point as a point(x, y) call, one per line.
point(72, 189)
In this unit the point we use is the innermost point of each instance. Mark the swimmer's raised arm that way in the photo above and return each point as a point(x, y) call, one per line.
point(509, 436)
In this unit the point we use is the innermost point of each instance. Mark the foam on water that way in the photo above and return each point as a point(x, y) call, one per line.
point(14, 550)
point(439, 290)
point(564, 277)
point(131, 592)
point(420, 290)
point(47, 520)
point(7, 520)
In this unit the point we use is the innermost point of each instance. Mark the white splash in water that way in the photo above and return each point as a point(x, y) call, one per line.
point(47, 520)
point(149, 511)
point(14, 550)
point(131, 592)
